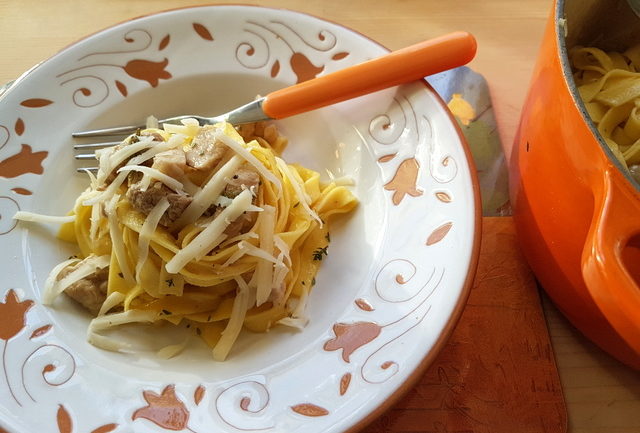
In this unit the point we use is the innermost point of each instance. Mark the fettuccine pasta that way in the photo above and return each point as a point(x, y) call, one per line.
point(201, 227)
point(609, 84)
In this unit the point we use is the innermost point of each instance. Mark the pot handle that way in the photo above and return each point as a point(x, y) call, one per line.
point(616, 220)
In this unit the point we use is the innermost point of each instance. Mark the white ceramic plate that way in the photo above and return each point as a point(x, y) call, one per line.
point(389, 293)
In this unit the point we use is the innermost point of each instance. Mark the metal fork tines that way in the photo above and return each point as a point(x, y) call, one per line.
point(125, 130)
point(251, 112)
point(90, 156)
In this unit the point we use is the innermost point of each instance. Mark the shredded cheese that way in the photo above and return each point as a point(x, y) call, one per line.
point(96, 211)
point(234, 325)
point(39, 218)
point(93, 180)
point(262, 254)
point(154, 173)
point(152, 122)
point(237, 255)
point(172, 350)
point(283, 247)
point(298, 312)
point(107, 343)
point(122, 175)
point(114, 157)
point(108, 192)
point(208, 194)
point(111, 320)
point(298, 323)
point(240, 237)
point(132, 316)
point(112, 300)
point(49, 284)
point(188, 128)
point(150, 153)
point(280, 271)
point(205, 239)
point(190, 187)
point(53, 286)
point(249, 157)
point(148, 228)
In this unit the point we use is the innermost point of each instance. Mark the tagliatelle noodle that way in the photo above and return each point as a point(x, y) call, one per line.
point(609, 85)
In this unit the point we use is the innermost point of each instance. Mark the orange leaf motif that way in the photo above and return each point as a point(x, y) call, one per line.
point(438, 234)
point(404, 181)
point(25, 161)
point(387, 158)
point(40, 331)
point(385, 365)
point(198, 394)
point(65, 425)
point(344, 383)
point(164, 42)
point(351, 336)
point(36, 102)
point(340, 56)
point(21, 191)
point(244, 403)
point(363, 305)
point(202, 31)
point(303, 68)
point(19, 127)
point(12, 315)
point(308, 409)
point(165, 410)
point(148, 71)
point(122, 88)
point(275, 69)
point(105, 428)
point(443, 197)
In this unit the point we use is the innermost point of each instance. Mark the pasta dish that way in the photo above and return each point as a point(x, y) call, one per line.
point(609, 85)
point(206, 228)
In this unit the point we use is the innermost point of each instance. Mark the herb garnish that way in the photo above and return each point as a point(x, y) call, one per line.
point(317, 254)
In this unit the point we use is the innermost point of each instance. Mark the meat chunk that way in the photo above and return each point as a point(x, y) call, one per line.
point(156, 136)
point(91, 291)
point(172, 163)
point(242, 179)
point(206, 152)
point(145, 200)
point(242, 224)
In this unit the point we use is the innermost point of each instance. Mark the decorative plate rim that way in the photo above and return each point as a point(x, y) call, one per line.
point(413, 377)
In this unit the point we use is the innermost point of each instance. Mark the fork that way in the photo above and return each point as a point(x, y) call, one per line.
point(398, 67)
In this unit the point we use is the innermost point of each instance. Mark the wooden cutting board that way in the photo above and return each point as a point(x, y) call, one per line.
point(497, 374)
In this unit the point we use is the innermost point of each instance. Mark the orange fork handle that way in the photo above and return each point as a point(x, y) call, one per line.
point(398, 67)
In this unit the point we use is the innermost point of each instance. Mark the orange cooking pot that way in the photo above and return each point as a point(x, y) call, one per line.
point(576, 209)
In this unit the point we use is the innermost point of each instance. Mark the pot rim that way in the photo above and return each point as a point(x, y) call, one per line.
point(573, 90)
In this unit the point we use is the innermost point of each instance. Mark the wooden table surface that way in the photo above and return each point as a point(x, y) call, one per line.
point(601, 394)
